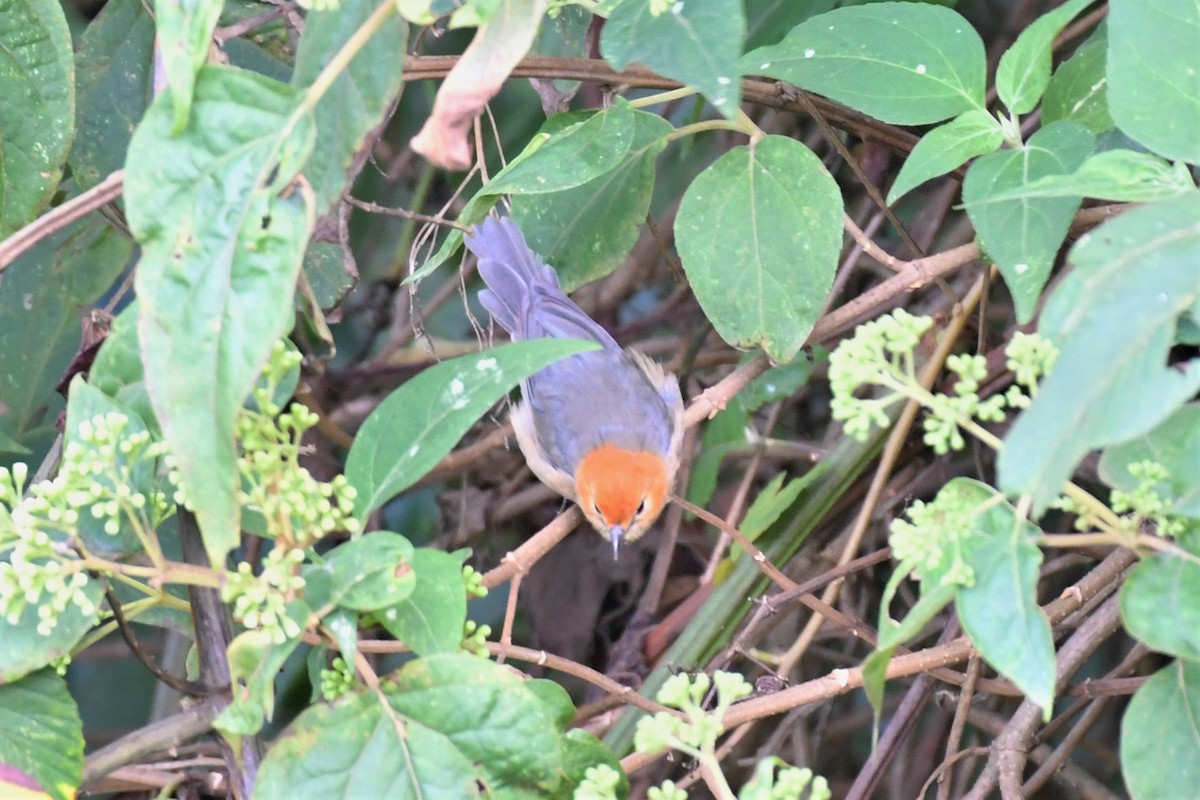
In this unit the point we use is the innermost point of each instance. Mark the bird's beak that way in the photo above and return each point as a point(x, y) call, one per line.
point(615, 533)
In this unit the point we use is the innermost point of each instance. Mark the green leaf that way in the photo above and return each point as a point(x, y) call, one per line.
point(1125, 176)
point(697, 43)
point(185, 29)
point(571, 156)
point(947, 147)
point(117, 370)
point(1174, 443)
point(1023, 236)
point(113, 68)
point(772, 501)
point(892, 634)
point(26, 650)
point(904, 63)
point(371, 572)
point(1160, 735)
point(724, 432)
point(44, 296)
point(359, 98)
point(1160, 601)
point(759, 234)
point(1024, 69)
point(1154, 74)
point(768, 20)
point(1078, 91)
point(777, 383)
point(255, 660)
point(221, 250)
point(1113, 320)
point(588, 231)
point(41, 733)
point(431, 619)
point(1000, 611)
point(452, 723)
point(419, 423)
point(37, 107)
point(581, 752)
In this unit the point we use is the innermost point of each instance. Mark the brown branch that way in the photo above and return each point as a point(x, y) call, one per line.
point(61, 216)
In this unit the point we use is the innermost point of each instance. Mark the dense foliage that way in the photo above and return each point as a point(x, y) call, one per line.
point(929, 274)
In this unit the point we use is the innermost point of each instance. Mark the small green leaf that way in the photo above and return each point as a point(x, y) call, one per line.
point(1124, 176)
point(1160, 735)
point(904, 63)
point(892, 634)
point(570, 157)
point(723, 433)
point(419, 423)
point(587, 232)
point(697, 43)
point(1000, 611)
point(221, 251)
point(1174, 443)
point(371, 572)
point(431, 619)
point(1024, 69)
point(452, 723)
point(360, 97)
point(774, 499)
point(1113, 320)
point(26, 650)
point(1160, 601)
point(255, 660)
point(41, 733)
point(37, 107)
point(185, 29)
point(759, 233)
point(1154, 75)
point(777, 383)
point(946, 147)
point(1078, 90)
point(1023, 236)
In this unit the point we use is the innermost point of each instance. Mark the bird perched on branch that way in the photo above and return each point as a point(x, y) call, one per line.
point(602, 428)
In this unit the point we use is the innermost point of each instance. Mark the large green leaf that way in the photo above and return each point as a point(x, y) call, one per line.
point(41, 733)
point(1160, 735)
point(451, 724)
point(1160, 601)
point(42, 300)
point(905, 63)
point(759, 233)
point(999, 611)
point(359, 98)
point(26, 649)
point(222, 237)
point(587, 231)
point(1154, 74)
point(1023, 235)
point(430, 620)
point(1175, 444)
point(114, 65)
point(1113, 320)
point(37, 107)
point(1124, 176)
point(697, 43)
point(420, 422)
point(1024, 69)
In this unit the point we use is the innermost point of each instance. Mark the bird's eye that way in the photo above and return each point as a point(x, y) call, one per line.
point(641, 509)
point(596, 510)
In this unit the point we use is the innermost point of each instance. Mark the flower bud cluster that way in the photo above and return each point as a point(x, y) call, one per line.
point(296, 506)
point(260, 601)
point(932, 538)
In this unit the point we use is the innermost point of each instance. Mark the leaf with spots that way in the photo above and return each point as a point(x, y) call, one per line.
point(420, 422)
point(759, 233)
point(696, 42)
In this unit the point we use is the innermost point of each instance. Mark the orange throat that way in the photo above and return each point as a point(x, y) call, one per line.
point(618, 483)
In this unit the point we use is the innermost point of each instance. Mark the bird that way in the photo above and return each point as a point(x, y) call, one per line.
point(603, 428)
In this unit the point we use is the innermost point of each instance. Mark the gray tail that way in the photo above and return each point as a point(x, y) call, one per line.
point(510, 269)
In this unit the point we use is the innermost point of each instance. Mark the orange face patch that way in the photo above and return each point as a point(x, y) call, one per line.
point(617, 482)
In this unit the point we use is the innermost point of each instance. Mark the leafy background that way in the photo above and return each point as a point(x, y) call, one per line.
point(884, 155)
